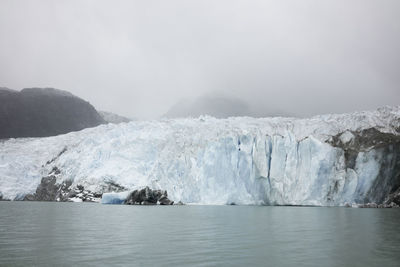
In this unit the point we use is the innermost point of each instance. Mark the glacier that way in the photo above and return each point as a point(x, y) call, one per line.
point(326, 160)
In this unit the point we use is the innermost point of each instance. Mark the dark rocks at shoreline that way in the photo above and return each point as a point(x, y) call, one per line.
point(3, 199)
point(394, 198)
point(147, 196)
point(79, 194)
point(50, 190)
point(391, 201)
point(388, 204)
point(380, 206)
point(165, 201)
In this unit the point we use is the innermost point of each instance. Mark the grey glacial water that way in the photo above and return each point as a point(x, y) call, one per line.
point(85, 234)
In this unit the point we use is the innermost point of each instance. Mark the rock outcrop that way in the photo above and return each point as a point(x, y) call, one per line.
point(393, 200)
point(50, 189)
point(3, 199)
point(147, 196)
point(386, 149)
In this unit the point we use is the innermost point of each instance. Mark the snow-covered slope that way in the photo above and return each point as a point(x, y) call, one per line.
point(324, 160)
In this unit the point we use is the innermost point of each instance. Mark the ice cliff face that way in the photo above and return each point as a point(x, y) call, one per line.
point(324, 160)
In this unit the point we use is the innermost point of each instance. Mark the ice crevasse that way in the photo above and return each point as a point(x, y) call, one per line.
point(324, 160)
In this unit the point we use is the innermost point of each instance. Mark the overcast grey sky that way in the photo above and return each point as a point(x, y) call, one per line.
point(139, 58)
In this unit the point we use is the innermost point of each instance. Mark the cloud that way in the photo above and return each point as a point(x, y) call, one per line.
point(140, 58)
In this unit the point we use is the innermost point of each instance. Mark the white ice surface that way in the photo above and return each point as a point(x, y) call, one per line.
point(206, 160)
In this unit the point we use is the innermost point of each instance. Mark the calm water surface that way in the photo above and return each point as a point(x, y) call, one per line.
point(85, 234)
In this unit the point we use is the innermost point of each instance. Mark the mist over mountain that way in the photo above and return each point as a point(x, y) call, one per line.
point(219, 106)
point(110, 117)
point(40, 112)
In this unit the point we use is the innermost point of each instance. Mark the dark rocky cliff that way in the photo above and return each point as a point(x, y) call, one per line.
point(40, 112)
point(386, 187)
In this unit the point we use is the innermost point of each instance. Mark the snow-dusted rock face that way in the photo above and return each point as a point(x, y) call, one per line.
point(324, 160)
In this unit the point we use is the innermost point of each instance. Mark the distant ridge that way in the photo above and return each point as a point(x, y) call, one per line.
point(41, 112)
point(219, 106)
point(110, 117)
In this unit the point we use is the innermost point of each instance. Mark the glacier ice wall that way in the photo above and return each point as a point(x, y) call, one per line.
point(324, 160)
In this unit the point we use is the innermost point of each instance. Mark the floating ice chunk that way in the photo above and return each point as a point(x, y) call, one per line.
point(114, 198)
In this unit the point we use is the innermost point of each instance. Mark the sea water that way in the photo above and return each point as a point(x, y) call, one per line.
point(91, 234)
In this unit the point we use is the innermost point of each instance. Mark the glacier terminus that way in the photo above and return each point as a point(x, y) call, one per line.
point(326, 160)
